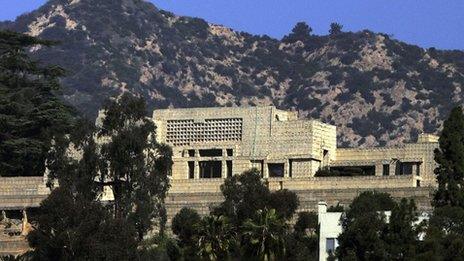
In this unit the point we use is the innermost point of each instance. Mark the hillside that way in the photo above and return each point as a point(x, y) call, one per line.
point(377, 90)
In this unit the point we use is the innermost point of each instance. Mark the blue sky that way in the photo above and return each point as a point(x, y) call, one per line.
point(426, 23)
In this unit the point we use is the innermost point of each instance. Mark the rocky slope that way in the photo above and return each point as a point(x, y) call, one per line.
point(377, 90)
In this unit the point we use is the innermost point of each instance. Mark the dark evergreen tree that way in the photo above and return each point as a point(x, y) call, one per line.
point(243, 195)
point(401, 236)
point(445, 235)
point(301, 32)
point(368, 236)
point(247, 193)
point(361, 238)
point(335, 28)
point(184, 225)
point(30, 113)
point(336, 208)
point(72, 228)
point(303, 243)
point(306, 223)
point(285, 202)
point(450, 160)
point(445, 232)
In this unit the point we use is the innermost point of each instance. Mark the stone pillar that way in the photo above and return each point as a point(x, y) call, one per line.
point(265, 170)
point(392, 168)
point(196, 170)
point(415, 169)
point(223, 169)
point(378, 168)
point(287, 169)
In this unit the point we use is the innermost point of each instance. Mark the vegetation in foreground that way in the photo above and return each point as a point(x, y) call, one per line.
point(252, 223)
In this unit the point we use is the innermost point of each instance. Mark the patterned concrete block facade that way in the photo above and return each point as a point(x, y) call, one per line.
point(219, 142)
point(210, 144)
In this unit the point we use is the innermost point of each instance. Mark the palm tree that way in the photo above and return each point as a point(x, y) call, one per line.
point(265, 235)
point(215, 237)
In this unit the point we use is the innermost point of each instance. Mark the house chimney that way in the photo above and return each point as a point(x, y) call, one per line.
point(321, 207)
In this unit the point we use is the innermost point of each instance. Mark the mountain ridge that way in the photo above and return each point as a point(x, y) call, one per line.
point(377, 90)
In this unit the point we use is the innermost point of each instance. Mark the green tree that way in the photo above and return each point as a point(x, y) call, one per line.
point(71, 228)
point(301, 32)
point(215, 238)
point(450, 160)
point(285, 202)
point(306, 223)
point(303, 243)
point(184, 225)
point(445, 232)
point(402, 236)
point(78, 175)
point(445, 235)
point(135, 166)
point(369, 235)
point(336, 208)
point(73, 224)
point(362, 227)
point(160, 247)
point(31, 115)
point(243, 194)
point(264, 235)
point(247, 193)
point(335, 28)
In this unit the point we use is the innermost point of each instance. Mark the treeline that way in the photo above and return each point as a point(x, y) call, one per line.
point(252, 223)
point(39, 134)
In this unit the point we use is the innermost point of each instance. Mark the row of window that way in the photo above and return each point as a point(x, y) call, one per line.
point(208, 153)
point(209, 169)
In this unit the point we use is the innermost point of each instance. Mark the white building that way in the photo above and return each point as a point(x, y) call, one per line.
point(330, 227)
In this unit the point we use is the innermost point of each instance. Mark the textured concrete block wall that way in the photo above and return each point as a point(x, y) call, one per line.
point(268, 136)
point(204, 202)
point(413, 152)
point(306, 183)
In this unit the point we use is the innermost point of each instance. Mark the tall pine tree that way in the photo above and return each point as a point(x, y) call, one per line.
point(445, 232)
point(450, 160)
point(31, 115)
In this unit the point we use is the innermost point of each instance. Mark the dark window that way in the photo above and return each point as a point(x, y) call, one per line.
point(407, 168)
point(290, 169)
point(210, 169)
point(276, 169)
point(330, 245)
point(211, 153)
point(191, 166)
point(229, 168)
point(351, 171)
point(404, 168)
point(191, 153)
point(417, 183)
point(418, 169)
point(386, 170)
point(230, 152)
